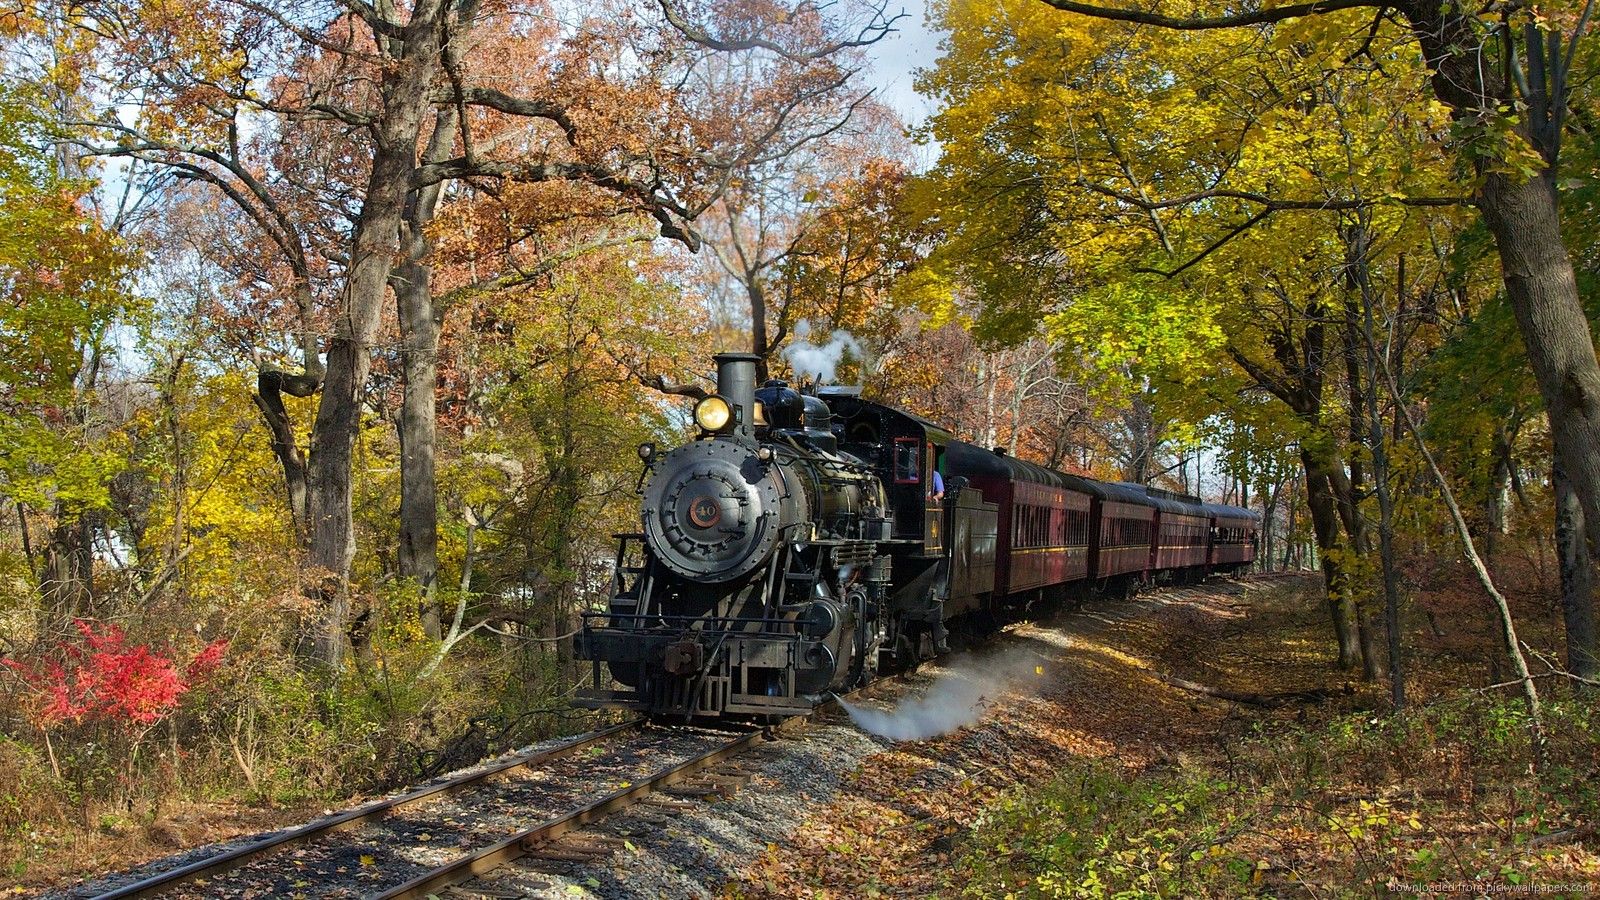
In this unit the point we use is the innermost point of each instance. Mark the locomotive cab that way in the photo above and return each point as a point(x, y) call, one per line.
point(907, 449)
point(944, 536)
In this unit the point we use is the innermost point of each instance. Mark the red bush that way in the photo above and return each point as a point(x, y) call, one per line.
point(105, 679)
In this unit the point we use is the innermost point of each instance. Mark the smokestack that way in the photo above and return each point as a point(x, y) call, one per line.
point(736, 383)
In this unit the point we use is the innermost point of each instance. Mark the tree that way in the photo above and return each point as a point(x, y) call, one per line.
point(409, 101)
point(1482, 411)
point(1506, 77)
point(790, 241)
point(62, 277)
point(1166, 201)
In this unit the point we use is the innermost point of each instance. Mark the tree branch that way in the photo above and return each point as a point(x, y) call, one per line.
point(1216, 245)
point(671, 216)
point(875, 30)
point(1206, 23)
point(1271, 203)
point(517, 106)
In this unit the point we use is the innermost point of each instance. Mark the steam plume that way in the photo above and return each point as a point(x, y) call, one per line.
point(957, 698)
point(820, 362)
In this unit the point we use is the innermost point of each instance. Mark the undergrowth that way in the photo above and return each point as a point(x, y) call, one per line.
point(112, 749)
point(1352, 805)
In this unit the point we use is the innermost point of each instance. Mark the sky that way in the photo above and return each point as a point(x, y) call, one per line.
point(894, 61)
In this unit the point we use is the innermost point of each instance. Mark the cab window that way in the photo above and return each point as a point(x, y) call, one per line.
point(907, 461)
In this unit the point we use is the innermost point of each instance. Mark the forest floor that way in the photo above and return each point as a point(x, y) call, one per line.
point(1193, 741)
point(1116, 767)
point(65, 852)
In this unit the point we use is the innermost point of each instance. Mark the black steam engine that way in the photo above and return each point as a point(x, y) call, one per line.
point(759, 576)
point(800, 545)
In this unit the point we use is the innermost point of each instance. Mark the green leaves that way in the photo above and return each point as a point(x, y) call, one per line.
point(61, 291)
point(1140, 327)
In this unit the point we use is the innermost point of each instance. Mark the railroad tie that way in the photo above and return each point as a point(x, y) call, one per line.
point(668, 805)
point(599, 844)
point(696, 791)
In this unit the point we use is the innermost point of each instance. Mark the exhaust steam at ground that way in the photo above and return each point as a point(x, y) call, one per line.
point(959, 697)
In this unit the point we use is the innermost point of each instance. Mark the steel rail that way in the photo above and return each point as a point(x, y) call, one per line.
point(528, 841)
point(232, 859)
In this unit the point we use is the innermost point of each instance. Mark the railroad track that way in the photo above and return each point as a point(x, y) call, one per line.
point(417, 843)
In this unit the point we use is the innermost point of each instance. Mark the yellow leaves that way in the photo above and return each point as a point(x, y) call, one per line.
point(1135, 329)
point(930, 291)
point(229, 505)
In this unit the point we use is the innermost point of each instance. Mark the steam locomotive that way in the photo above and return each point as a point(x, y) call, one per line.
point(803, 544)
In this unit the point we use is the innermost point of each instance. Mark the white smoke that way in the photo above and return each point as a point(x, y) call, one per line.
point(959, 697)
point(820, 362)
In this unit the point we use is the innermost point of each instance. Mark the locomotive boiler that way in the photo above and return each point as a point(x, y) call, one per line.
point(756, 579)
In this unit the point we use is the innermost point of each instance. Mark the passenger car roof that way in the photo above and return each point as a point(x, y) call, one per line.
point(972, 458)
point(1222, 510)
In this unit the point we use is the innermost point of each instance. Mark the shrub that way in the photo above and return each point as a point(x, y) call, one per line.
point(97, 697)
point(107, 680)
point(1095, 831)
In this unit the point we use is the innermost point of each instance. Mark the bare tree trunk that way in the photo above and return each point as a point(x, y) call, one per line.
point(271, 385)
point(418, 555)
point(67, 582)
point(406, 92)
point(168, 399)
point(760, 344)
point(421, 322)
point(1495, 501)
point(1269, 524)
point(1525, 221)
point(1291, 554)
point(1140, 420)
point(1358, 243)
point(27, 538)
point(1325, 525)
point(1577, 582)
point(1360, 541)
point(988, 372)
point(331, 526)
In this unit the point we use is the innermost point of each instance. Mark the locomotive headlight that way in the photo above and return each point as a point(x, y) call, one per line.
point(713, 413)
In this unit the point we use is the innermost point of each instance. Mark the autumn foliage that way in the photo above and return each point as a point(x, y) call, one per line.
point(103, 678)
point(332, 328)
